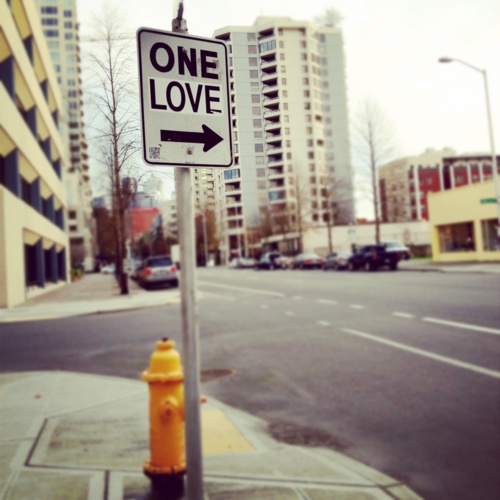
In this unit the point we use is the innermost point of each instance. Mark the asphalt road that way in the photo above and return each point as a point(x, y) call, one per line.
point(400, 370)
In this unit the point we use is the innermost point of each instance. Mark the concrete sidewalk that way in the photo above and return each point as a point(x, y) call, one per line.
point(73, 436)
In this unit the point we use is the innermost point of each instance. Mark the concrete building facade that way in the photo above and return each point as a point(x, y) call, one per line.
point(60, 27)
point(464, 223)
point(405, 184)
point(34, 247)
point(292, 163)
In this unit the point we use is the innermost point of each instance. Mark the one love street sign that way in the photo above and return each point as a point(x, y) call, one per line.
point(185, 109)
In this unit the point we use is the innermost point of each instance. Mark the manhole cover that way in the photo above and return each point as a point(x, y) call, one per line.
point(215, 373)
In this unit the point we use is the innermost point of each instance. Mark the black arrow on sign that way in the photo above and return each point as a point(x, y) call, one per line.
point(208, 137)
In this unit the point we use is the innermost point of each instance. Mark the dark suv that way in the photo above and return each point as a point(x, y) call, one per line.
point(158, 270)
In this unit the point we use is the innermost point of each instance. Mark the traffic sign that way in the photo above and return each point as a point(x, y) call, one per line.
point(185, 109)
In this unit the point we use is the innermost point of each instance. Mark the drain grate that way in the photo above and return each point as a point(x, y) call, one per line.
point(215, 373)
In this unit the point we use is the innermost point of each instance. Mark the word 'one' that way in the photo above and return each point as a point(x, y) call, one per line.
point(163, 59)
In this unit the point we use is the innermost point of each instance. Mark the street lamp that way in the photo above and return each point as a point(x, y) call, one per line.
point(494, 166)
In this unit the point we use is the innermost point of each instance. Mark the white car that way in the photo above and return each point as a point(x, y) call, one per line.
point(109, 269)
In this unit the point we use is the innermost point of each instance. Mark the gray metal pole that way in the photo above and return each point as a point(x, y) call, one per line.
point(189, 312)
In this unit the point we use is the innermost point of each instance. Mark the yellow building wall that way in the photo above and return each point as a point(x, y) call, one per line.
point(458, 205)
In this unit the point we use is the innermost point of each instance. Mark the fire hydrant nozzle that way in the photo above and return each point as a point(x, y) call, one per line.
point(166, 412)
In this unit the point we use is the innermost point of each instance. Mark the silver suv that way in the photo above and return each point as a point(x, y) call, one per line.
point(158, 270)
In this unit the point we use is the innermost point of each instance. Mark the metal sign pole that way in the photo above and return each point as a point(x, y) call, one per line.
point(189, 311)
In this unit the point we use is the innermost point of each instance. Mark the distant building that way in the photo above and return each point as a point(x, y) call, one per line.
point(290, 130)
point(141, 220)
point(34, 246)
point(464, 221)
point(60, 27)
point(405, 184)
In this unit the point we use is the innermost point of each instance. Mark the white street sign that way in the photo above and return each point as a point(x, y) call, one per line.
point(184, 89)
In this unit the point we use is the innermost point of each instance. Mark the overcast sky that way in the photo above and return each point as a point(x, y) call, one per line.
point(391, 47)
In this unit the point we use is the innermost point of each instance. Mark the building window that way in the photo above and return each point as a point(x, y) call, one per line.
point(49, 10)
point(67, 13)
point(252, 61)
point(68, 36)
point(261, 172)
point(256, 111)
point(257, 134)
point(251, 37)
point(283, 69)
point(259, 160)
point(257, 123)
point(232, 174)
point(491, 240)
point(255, 98)
point(254, 73)
point(68, 25)
point(259, 148)
point(252, 49)
point(51, 33)
point(49, 21)
point(456, 237)
point(283, 81)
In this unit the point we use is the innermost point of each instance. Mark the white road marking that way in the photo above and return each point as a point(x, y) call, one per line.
point(425, 354)
point(323, 323)
point(356, 306)
point(465, 326)
point(243, 289)
point(217, 296)
point(403, 315)
point(324, 301)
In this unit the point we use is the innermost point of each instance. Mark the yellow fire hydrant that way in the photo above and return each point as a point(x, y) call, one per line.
point(166, 414)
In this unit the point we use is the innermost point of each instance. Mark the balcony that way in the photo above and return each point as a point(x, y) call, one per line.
point(271, 103)
point(269, 66)
point(272, 125)
point(270, 77)
point(270, 90)
point(275, 161)
point(275, 173)
point(274, 150)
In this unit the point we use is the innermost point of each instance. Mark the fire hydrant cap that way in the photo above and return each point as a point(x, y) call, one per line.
point(165, 364)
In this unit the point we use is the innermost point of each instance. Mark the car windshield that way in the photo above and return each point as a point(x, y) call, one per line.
point(163, 262)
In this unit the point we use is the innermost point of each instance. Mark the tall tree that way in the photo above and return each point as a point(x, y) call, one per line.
point(374, 140)
point(114, 97)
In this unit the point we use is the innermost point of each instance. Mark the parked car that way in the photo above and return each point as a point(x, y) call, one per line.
point(242, 263)
point(156, 271)
point(336, 261)
point(398, 247)
point(308, 261)
point(271, 260)
point(373, 257)
point(108, 269)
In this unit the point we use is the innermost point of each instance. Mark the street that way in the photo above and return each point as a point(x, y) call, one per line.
point(399, 370)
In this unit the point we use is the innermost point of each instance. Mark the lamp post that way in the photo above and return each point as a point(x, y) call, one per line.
point(494, 165)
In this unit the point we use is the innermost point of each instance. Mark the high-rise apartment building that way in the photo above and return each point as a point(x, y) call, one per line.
point(60, 27)
point(292, 169)
point(34, 246)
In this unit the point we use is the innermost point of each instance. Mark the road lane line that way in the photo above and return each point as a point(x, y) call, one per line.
point(403, 315)
point(426, 354)
point(243, 289)
point(356, 306)
point(324, 301)
point(324, 323)
point(217, 296)
point(465, 326)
